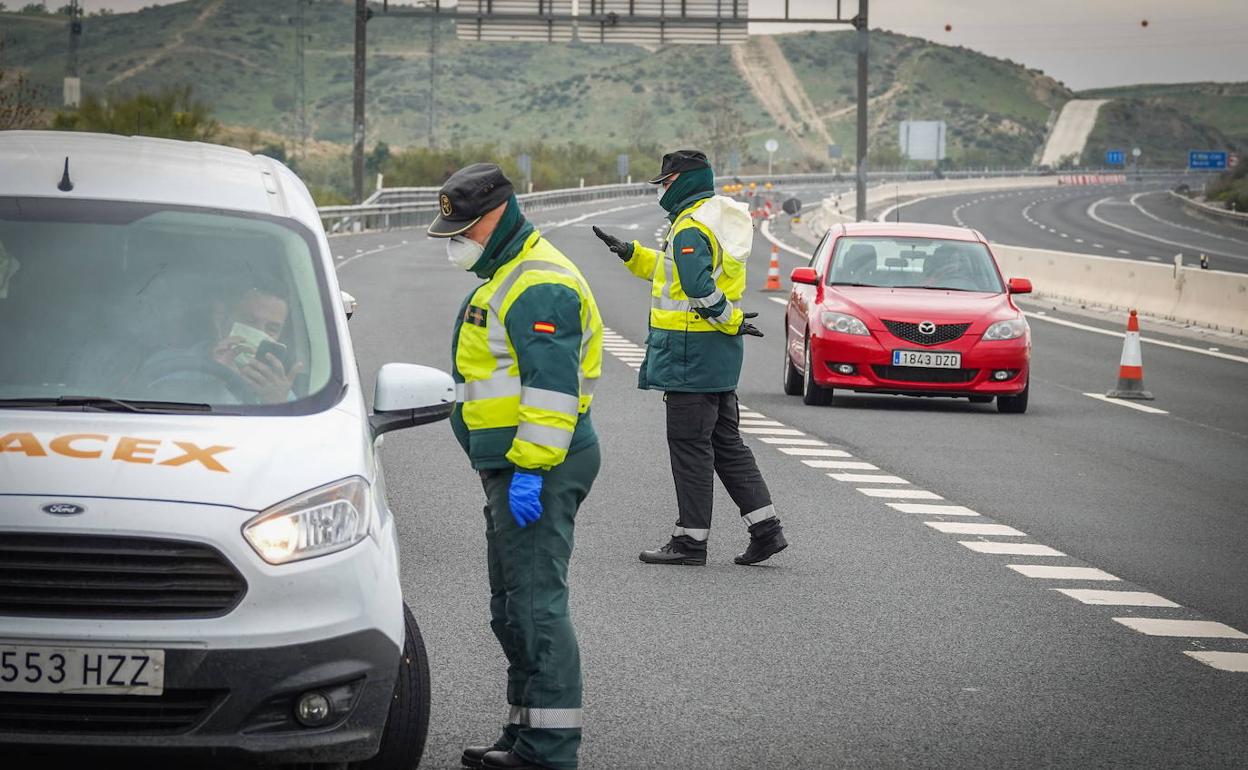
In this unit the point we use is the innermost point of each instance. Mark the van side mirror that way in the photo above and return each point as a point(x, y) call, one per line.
point(349, 304)
point(1019, 286)
point(408, 395)
point(804, 275)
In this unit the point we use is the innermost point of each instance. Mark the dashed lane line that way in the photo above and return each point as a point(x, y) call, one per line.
point(974, 528)
point(1010, 549)
point(1128, 404)
point(1207, 629)
point(868, 478)
point(900, 494)
point(1051, 572)
point(841, 465)
point(1091, 213)
point(813, 451)
point(1116, 598)
point(932, 509)
point(1226, 661)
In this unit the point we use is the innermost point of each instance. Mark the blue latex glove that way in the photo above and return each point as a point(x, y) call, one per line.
point(524, 497)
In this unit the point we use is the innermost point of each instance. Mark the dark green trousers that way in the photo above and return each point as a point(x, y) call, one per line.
point(529, 610)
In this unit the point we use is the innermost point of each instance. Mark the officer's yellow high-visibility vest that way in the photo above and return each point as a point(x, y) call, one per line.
point(492, 394)
point(670, 307)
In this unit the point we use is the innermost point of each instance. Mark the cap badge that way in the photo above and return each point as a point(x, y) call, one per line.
point(444, 201)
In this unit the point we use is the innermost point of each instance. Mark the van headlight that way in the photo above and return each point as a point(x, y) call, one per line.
point(318, 522)
point(1006, 330)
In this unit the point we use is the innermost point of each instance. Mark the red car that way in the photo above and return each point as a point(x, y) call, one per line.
point(911, 309)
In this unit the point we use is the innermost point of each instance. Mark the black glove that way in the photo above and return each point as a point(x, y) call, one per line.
point(749, 329)
point(622, 250)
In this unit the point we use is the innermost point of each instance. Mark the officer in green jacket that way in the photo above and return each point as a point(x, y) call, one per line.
point(527, 350)
point(693, 354)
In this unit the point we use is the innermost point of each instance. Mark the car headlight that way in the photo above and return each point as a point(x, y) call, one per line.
point(1006, 330)
point(318, 522)
point(843, 323)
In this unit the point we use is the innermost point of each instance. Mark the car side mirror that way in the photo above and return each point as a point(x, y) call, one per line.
point(1019, 286)
point(408, 395)
point(349, 304)
point(804, 275)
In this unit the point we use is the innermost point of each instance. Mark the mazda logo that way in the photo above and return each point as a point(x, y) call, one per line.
point(927, 327)
point(63, 509)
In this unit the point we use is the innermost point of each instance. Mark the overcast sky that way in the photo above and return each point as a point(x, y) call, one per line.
point(1083, 43)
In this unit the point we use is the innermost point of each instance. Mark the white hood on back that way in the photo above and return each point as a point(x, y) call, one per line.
point(731, 223)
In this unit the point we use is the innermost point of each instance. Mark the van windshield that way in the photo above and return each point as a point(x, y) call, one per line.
point(113, 305)
point(919, 263)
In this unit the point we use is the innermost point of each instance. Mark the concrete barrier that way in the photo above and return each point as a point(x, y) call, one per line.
point(1211, 298)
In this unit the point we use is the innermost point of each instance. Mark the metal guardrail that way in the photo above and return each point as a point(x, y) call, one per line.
point(400, 207)
point(1210, 212)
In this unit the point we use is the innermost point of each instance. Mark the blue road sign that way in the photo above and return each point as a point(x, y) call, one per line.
point(1115, 157)
point(1206, 159)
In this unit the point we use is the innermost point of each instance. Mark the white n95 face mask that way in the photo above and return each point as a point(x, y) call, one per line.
point(463, 252)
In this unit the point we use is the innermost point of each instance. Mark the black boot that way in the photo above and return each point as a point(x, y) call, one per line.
point(766, 540)
point(506, 760)
point(474, 755)
point(673, 553)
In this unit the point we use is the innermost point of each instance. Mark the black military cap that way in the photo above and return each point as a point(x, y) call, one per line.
point(681, 160)
point(468, 195)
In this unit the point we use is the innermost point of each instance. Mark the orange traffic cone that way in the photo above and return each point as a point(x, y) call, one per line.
point(773, 271)
point(1131, 369)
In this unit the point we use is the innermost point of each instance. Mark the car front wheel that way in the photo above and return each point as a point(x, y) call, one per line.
point(792, 377)
point(813, 394)
point(1014, 404)
point(403, 740)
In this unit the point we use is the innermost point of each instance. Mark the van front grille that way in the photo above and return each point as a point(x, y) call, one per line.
point(91, 576)
point(175, 711)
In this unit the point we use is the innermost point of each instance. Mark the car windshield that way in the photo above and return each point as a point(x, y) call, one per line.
point(140, 307)
point(920, 263)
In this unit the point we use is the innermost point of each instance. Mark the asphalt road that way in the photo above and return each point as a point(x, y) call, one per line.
point(1134, 221)
point(876, 640)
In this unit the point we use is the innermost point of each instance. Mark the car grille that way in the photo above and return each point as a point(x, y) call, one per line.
point(174, 711)
point(910, 332)
point(920, 374)
point(88, 576)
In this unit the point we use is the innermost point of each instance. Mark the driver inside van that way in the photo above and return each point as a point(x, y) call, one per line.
point(242, 328)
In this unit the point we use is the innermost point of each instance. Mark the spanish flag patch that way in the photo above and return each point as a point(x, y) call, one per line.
point(687, 250)
point(544, 327)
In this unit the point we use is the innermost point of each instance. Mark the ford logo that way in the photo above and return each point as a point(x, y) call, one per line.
point(63, 509)
point(927, 327)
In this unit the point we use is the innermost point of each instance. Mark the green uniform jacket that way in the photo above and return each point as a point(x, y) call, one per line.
point(692, 362)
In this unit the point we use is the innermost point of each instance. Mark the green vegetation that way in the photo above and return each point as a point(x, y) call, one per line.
point(171, 113)
point(1223, 106)
point(1164, 134)
point(1231, 188)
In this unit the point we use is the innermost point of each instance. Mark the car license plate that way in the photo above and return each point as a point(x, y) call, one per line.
point(81, 670)
point(928, 359)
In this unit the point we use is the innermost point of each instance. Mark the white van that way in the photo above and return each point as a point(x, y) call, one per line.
point(195, 547)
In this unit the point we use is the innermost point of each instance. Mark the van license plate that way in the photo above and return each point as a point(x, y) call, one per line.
point(928, 359)
point(81, 670)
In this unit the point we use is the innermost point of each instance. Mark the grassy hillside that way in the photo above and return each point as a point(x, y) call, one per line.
point(1223, 106)
point(1163, 133)
point(240, 57)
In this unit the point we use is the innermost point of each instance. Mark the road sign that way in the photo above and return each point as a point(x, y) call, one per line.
point(835, 152)
point(1206, 159)
point(923, 139)
point(640, 22)
point(1135, 152)
point(771, 145)
point(525, 164)
point(621, 164)
point(1232, 160)
point(1115, 157)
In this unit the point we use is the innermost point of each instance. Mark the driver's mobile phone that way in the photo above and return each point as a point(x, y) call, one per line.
point(279, 351)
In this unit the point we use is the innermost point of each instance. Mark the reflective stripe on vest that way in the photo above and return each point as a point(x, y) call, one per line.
point(549, 719)
point(673, 309)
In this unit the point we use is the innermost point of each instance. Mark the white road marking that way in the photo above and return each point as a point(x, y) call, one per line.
point(753, 415)
point(774, 431)
point(812, 452)
point(793, 441)
point(1153, 259)
point(1098, 246)
point(780, 300)
point(1134, 202)
point(1236, 662)
point(1126, 403)
point(1205, 629)
point(974, 528)
point(1049, 572)
point(1149, 340)
point(900, 494)
point(927, 508)
point(548, 226)
point(1120, 598)
point(1123, 251)
point(868, 478)
point(844, 465)
point(1012, 549)
point(772, 423)
point(1078, 240)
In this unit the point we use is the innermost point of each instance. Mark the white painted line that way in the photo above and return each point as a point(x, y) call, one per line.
point(793, 441)
point(773, 431)
point(900, 494)
point(772, 423)
point(946, 510)
point(548, 226)
point(1013, 549)
point(1153, 259)
point(1205, 629)
point(1236, 662)
point(1049, 572)
point(844, 465)
point(766, 231)
point(813, 452)
point(1091, 212)
point(1120, 598)
point(1078, 240)
point(974, 528)
point(780, 300)
point(1120, 335)
point(868, 478)
point(1123, 251)
point(1098, 246)
point(753, 415)
point(1127, 403)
